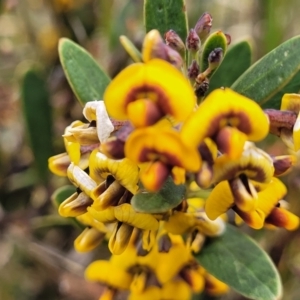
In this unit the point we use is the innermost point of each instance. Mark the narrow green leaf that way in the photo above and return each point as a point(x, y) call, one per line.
point(215, 40)
point(37, 113)
point(237, 260)
point(164, 15)
point(86, 78)
point(292, 87)
point(167, 198)
point(236, 61)
point(270, 74)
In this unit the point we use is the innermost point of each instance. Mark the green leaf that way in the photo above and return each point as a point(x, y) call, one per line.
point(215, 40)
point(270, 74)
point(292, 87)
point(167, 198)
point(164, 15)
point(86, 78)
point(236, 61)
point(62, 193)
point(37, 113)
point(237, 260)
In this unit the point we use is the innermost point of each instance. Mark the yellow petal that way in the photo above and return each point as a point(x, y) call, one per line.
point(254, 163)
point(180, 222)
point(58, 164)
point(214, 286)
point(89, 239)
point(75, 205)
point(281, 217)
point(81, 179)
point(124, 170)
point(104, 216)
point(290, 102)
point(126, 214)
point(154, 80)
point(105, 272)
point(220, 108)
point(219, 200)
point(120, 238)
point(177, 290)
point(296, 134)
point(151, 143)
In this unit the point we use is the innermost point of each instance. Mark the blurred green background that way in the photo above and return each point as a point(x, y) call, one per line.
point(37, 260)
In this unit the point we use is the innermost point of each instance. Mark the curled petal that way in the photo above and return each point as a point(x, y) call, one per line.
point(270, 196)
point(110, 197)
point(105, 216)
point(96, 110)
point(88, 220)
point(81, 179)
point(124, 171)
point(221, 108)
point(281, 217)
point(120, 238)
point(75, 205)
point(149, 81)
point(111, 275)
point(283, 164)
point(255, 218)
point(244, 193)
point(82, 135)
point(58, 164)
point(126, 214)
point(89, 239)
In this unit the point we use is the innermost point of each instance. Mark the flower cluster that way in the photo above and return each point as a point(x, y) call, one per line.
point(149, 130)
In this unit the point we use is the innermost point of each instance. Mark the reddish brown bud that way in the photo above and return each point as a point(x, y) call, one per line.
point(193, 70)
point(193, 41)
point(174, 41)
point(203, 26)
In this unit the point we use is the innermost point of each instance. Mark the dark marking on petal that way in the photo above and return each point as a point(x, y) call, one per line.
point(147, 91)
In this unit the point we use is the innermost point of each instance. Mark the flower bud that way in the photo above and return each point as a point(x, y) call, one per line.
point(174, 41)
point(193, 70)
point(215, 58)
point(193, 41)
point(203, 26)
point(154, 47)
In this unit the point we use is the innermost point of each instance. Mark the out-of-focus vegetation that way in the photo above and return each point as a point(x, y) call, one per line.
point(37, 259)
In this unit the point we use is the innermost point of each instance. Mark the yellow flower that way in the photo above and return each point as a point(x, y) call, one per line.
point(126, 220)
point(229, 119)
point(254, 164)
point(164, 149)
point(144, 93)
point(118, 180)
point(194, 219)
point(221, 199)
